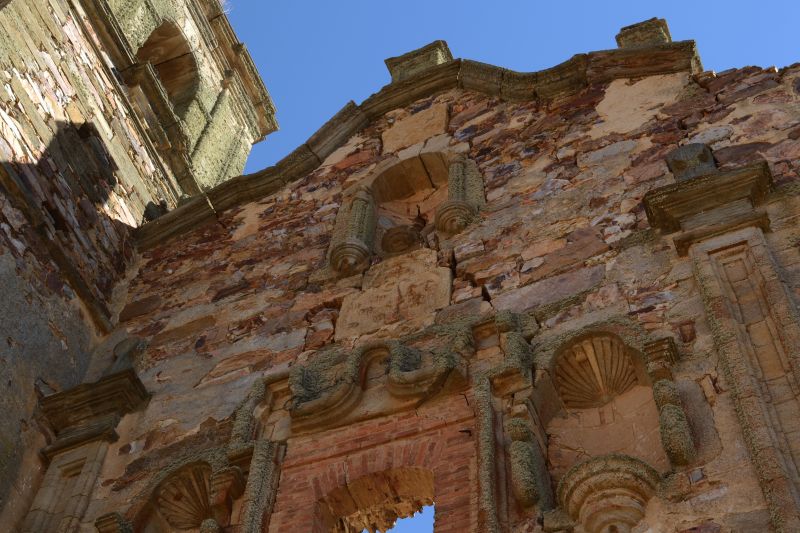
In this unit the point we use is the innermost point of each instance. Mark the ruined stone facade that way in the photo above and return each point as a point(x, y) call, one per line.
point(560, 301)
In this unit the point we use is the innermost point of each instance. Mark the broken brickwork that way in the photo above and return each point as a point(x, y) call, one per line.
point(555, 301)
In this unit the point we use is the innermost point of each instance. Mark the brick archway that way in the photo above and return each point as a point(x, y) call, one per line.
point(435, 443)
point(375, 502)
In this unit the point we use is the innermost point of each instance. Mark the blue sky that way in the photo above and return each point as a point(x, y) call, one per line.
point(316, 56)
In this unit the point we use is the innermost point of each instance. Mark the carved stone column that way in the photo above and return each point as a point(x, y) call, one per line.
point(83, 420)
point(752, 318)
point(464, 197)
point(352, 248)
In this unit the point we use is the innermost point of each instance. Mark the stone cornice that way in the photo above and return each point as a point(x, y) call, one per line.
point(669, 207)
point(709, 205)
point(91, 411)
point(547, 85)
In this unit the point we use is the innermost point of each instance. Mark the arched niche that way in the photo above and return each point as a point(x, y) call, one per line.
point(195, 497)
point(375, 502)
point(398, 207)
point(607, 404)
point(172, 58)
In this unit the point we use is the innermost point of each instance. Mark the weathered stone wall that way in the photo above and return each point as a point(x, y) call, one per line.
point(75, 176)
point(563, 239)
point(77, 172)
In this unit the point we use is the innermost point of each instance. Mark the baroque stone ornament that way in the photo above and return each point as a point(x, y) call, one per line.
point(592, 371)
point(453, 216)
point(197, 497)
point(352, 253)
point(464, 197)
point(608, 493)
point(183, 500)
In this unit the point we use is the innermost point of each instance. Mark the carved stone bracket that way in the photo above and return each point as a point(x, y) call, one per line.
point(352, 248)
point(465, 197)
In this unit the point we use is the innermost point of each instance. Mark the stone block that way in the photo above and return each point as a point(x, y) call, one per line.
point(415, 128)
point(647, 33)
point(416, 61)
point(690, 161)
point(408, 289)
point(550, 290)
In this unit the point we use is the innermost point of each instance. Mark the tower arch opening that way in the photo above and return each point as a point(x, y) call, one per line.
point(171, 55)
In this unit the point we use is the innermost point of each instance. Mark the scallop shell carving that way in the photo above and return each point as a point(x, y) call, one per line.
point(183, 500)
point(591, 372)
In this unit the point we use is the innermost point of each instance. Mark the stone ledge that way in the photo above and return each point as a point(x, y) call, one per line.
point(118, 393)
point(546, 85)
point(669, 208)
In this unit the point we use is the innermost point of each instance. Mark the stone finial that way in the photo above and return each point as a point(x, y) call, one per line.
point(690, 161)
point(647, 33)
point(407, 65)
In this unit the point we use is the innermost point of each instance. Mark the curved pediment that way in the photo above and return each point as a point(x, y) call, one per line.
point(436, 76)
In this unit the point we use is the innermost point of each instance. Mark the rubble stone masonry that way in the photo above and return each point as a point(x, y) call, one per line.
point(553, 301)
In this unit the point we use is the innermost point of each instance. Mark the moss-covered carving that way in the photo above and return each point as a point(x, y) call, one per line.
point(676, 436)
point(331, 384)
point(665, 392)
point(530, 481)
point(609, 491)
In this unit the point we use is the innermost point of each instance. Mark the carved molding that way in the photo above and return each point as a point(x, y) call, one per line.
point(606, 491)
point(756, 331)
point(677, 207)
point(91, 411)
point(326, 391)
